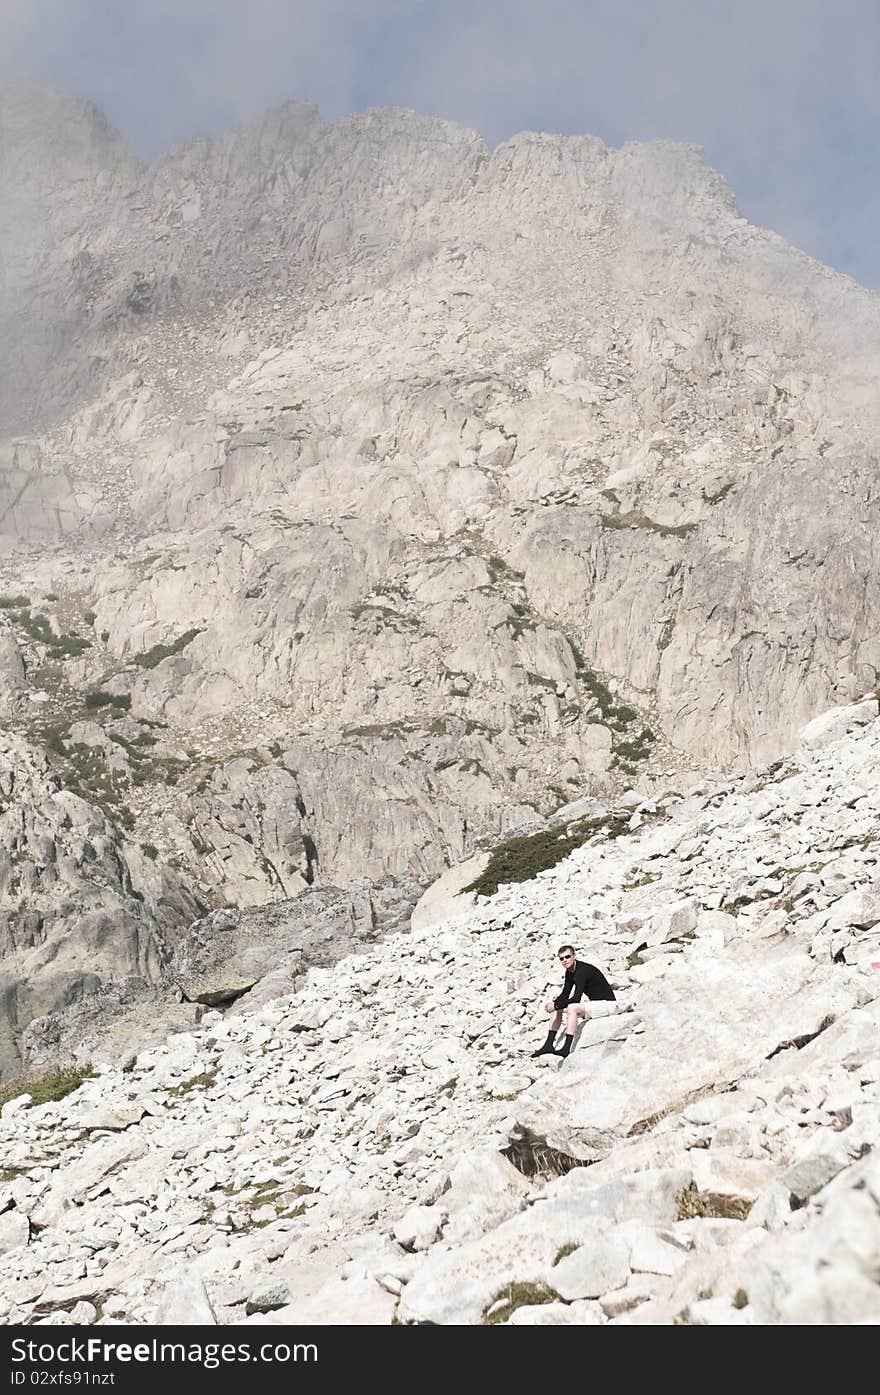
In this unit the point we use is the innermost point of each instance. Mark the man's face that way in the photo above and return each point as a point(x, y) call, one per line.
point(567, 959)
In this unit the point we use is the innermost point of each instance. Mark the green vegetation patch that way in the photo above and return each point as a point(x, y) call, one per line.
point(564, 1251)
point(195, 1082)
point(151, 657)
point(14, 602)
point(36, 626)
point(86, 773)
point(636, 519)
point(519, 1296)
point(98, 698)
point(694, 1203)
point(46, 1086)
point(521, 859)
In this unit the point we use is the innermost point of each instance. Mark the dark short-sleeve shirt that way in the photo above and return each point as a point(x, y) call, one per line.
point(584, 979)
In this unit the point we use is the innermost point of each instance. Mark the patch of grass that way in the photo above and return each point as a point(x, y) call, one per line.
point(150, 850)
point(664, 639)
point(619, 717)
point(195, 1082)
point(85, 773)
point(636, 519)
point(98, 698)
point(632, 751)
point(14, 602)
point(533, 1156)
point(151, 657)
point(53, 740)
point(521, 859)
point(722, 493)
point(595, 686)
point(70, 646)
point(499, 569)
point(522, 619)
point(519, 1296)
point(37, 628)
point(633, 960)
point(625, 715)
point(53, 1084)
point(646, 880)
point(564, 1251)
point(384, 730)
point(694, 1203)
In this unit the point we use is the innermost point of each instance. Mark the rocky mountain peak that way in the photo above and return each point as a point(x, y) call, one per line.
point(50, 137)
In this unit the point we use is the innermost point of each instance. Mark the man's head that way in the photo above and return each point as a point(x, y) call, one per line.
point(566, 956)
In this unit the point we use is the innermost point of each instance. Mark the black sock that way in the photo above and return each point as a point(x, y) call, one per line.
point(566, 1046)
point(547, 1048)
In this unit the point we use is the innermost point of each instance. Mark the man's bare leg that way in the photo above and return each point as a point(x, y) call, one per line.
point(548, 1048)
point(573, 1013)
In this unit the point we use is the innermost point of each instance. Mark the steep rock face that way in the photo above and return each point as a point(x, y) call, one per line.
point(235, 959)
point(420, 488)
point(77, 908)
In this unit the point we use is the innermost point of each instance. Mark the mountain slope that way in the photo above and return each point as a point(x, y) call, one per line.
point(392, 1151)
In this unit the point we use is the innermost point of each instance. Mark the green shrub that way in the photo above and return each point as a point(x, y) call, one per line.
point(151, 657)
point(37, 627)
point(98, 698)
point(522, 858)
point(636, 750)
point(69, 646)
point(14, 602)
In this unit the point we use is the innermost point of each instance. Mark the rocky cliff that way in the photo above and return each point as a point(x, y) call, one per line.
point(365, 492)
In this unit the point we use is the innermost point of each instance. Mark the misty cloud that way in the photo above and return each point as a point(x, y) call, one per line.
point(783, 94)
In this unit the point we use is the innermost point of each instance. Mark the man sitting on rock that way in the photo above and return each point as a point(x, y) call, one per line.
point(580, 978)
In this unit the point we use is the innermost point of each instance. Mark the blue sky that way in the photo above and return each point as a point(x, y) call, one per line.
point(784, 95)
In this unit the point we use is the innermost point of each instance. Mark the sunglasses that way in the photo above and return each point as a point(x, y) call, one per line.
point(564, 957)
